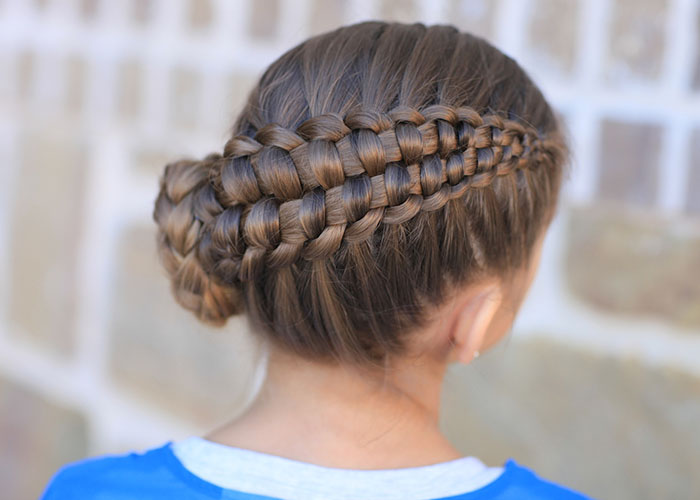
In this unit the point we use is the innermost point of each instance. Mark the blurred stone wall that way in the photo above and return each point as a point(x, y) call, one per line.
point(598, 386)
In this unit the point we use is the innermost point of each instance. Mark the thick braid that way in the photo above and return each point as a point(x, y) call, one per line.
point(290, 194)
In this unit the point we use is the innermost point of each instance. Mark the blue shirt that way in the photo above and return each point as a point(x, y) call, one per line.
point(157, 473)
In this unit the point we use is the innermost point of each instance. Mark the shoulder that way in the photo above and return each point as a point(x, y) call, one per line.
point(523, 483)
point(114, 477)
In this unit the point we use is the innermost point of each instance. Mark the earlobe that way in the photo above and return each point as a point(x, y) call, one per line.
point(473, 323)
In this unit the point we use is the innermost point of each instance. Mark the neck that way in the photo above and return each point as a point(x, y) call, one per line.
point(341, 416)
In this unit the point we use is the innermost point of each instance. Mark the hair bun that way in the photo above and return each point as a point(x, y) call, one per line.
point(186, 203)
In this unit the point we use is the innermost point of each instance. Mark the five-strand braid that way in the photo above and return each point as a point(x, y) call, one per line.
point(288, 194)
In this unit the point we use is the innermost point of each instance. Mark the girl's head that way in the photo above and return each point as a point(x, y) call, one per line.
point(376, 173)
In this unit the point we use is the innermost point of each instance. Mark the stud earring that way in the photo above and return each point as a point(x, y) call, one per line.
point(476, 354)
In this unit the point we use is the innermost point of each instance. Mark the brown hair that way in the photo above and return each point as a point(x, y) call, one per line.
point(373, 167)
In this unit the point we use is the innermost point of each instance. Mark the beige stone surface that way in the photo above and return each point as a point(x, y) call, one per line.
point(141, 11)
point(130, 79)
point(637, 40)
point(327, 15)
point(553, 31)
point(37, 436)
point(47, 214)
point(693, 187)
point(264, 19)
point(629, 161)
point(200, 14)
point(184, 98)
point(150, 160)
point(25, 73)
point(635, 263)
point(609, 428)
point(76, 83)
point(89, 9)
point(160, 354)
point(404, 11)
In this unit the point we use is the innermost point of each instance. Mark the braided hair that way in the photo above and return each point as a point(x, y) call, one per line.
point(372, 168)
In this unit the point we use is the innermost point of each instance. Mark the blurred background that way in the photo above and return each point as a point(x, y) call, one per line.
point(597, 387)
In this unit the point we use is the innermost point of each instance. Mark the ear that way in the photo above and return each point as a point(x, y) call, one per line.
point(473, 322)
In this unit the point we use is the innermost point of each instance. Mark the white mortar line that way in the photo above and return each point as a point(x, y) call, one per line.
point(31, 365)
point(9, 172)
point(509, 26)
point(681, 46)
point(635, 104)
point(432, 12)
point(143, 190)
point(361, 10)
point(230, 23)
point(157, 66)
point(620, 336)
point(585, 146)
point(592, 30)
point(226, 34)
point(293, 23)
point(105, 190)
point(674, 166)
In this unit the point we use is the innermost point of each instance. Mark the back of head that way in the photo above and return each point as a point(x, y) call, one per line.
point(373, 168)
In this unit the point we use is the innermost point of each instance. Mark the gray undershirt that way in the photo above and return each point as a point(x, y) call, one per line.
point(275, 476)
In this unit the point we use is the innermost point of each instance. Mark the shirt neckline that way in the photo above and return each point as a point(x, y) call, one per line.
point(172, 461)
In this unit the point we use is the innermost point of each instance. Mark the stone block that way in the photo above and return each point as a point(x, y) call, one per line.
point(184, 97)
point(41, 4)
point(553, 32)
point(141, 11)
point(89, 9)
point(629, 160)
point(46, 223)
point(130, 84)
point(692, 202)
point(150, 160)
point(633, 262)
point(161, 355)
point(327, 15)
point(611, 428)
point(37, 437)
point(404, 11)
point(637, 40)
point(199, 14)
point(26, 74)
point(76, 83)
point(264, 19)
point(239, 86)
point(7, 67)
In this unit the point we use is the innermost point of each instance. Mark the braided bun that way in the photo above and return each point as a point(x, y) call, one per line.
point(185, 202)
point(301, 223)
